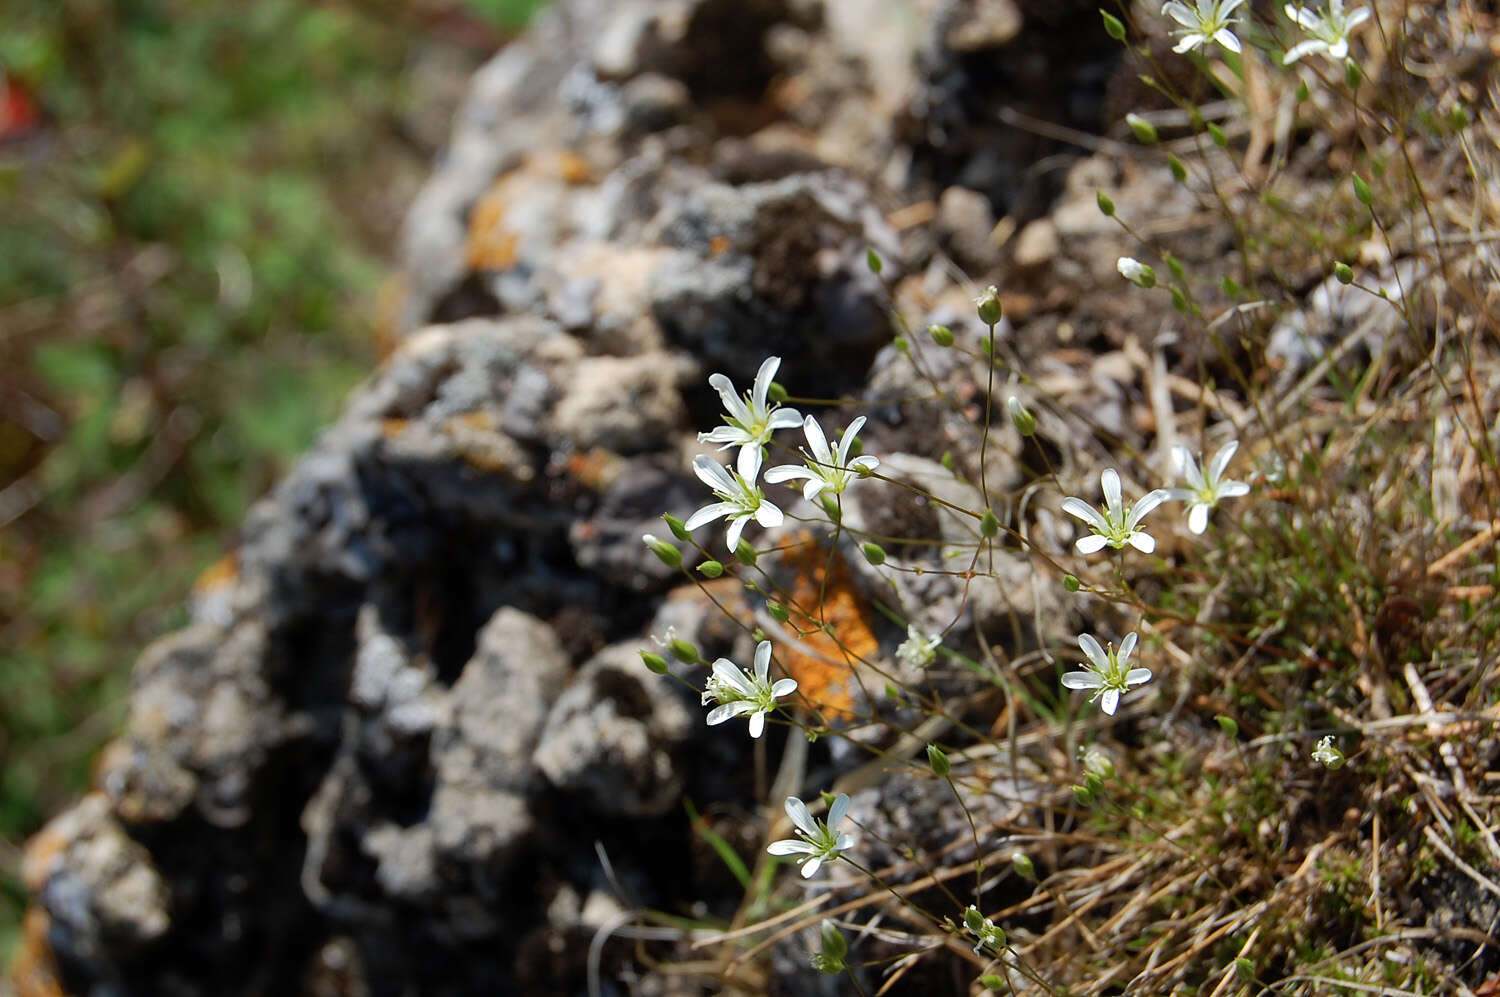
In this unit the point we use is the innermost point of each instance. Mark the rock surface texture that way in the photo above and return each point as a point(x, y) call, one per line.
point(410, 747)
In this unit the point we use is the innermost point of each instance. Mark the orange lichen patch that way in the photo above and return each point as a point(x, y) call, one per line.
point(392, 428)
point(480, 443)
point(490, 246)
point(213, 578)
point(390, 302)
point(573, 168)
point(822, 662)
point(718, 245)
point(596, 469)
point(33, 972)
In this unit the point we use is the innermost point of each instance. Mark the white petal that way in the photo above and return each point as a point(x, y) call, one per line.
point(814, 487)
point(783, 687)
point(817, 441)
point(1127, 648)
point(1144, 505)
point(789, 846)
point(785, 418)
point(1079, 509)
point(733, 404)
point(1180, 13)
point(728, 673)
point(811, 866)
point(865, 462)
point(1143, 542)
point(1090, 544)
point(1221, 460)
point(1109, 701)
point(1189, 41)
point(851, 431)
point(797, 811)
point(1183, 463)
point(758, 724)
point(1110, 482)
point(1227, 38)
point(1339, 49)
point(785, 472)
point(763, 378)
point(712, 473)
point(719, 714)
point(1081, 680)
point(768, 515)
point(727, 435)
point(763, 660)
point(1198, 517)
point(748, 462)
point(1357, 17)
point(1137, 676)
point(1291, 11)
point(1229, 7)
point(736, 527)
point(708, 514)
point(838, 810)
point(1233, 489)
point(1094, 651)
point(844, 842)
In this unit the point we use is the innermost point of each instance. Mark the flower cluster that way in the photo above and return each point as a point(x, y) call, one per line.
point(1329, 32)
point(1209, 21)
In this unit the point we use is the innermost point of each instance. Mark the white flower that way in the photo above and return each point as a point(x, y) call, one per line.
point(1327, 754)
point(742, 500)
point(1330, 32)
point(918, 649)
point(1116, 524)
point(1209, 22)
point(990, 935)
point(1205, 489)
point(818, 841)
point(1136, 272)
point(825, 470)
point(750, 421)
point(738, 692)
point(1106, 672)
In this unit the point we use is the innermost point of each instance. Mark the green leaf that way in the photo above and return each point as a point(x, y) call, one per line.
point(721, 847)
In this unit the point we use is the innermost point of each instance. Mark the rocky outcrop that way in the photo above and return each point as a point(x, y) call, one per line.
point(408, 747)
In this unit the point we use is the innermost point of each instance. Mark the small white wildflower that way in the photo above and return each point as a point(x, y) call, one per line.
point(742, 500)
point(1136, 272)
point(1207, 486)
point(1211, 21)
point(1330, 32)
point(826, 470)
point(1096, 761)
point(1327, 754)
point(816, 841)
point(750, 421)
point(1116, 524)
point(918, 649)
point(1107, 673)
point(991, 936)
point(738, 692)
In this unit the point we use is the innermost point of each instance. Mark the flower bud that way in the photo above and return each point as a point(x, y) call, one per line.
point(1353, 75)
point(1175, 265)
point(1071, 583)
point(669, 555)
point(1303, 92)
point(745, 554)
point(1217, 134)
point(1144, 131)
point(1106, 206)
point(655, 662)
point(711, 569)
point(778, 612)
point(901, 344)
point(683, 651)
point(1343, 272)
point(941, 334)
point(989, 523)
point(1138, 273)
point(834, 945)
point(938, 761)
point(1362, 191)
point(989, 307)
point(1179, 171)
point(1025, 868)
point(874, 553)
point(1023, 420)
point(678, 528)
point(1228, 726)
point(874, 262)
point(1113, 26)
point(830, 508)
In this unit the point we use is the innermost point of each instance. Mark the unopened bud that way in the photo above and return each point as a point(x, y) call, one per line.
point(988, 306)
point(1113, 26)
point(1144, 131)
point(1023, 420)
point(1138, 273)
point(655, 662)
point(941, 334)
point(669, 555)
point(874, 553)
point(938, 761)
point(1106, 206)
point(1025, 868)
point(711, 569)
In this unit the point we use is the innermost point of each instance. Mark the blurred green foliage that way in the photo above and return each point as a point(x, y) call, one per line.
point(193, 235)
